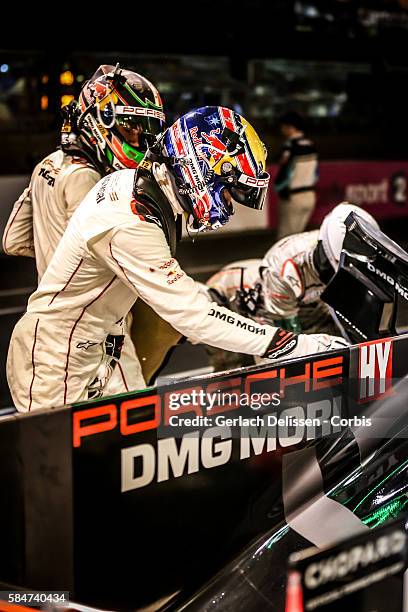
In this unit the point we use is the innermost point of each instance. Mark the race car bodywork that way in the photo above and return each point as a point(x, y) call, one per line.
point(335, 489)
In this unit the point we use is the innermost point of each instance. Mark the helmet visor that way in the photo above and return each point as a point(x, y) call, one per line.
point(250, 191)
point(148, 120)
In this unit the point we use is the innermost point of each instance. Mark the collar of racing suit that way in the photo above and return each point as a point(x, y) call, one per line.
point(322, 264)
point(148, 191)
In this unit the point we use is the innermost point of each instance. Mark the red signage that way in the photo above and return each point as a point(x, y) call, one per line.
point(318, 374)
point(381, 187)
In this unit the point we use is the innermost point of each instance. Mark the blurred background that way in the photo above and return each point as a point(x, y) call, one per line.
point(341, 63)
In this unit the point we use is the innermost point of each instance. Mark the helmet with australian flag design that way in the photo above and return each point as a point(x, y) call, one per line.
point(215, 157)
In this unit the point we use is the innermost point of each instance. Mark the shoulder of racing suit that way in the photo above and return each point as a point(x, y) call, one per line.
point(57, 167)
point(288, 271)
point(292, 251)
point(122, 197)
point(75, 163)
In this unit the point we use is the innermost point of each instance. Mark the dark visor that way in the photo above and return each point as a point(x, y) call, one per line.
point(252, 196)
point(148, 125)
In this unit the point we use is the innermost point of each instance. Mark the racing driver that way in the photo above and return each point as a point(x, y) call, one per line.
point(109, 128)
point(120, 245)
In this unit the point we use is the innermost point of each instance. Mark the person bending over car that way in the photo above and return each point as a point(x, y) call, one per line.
point(284, 287)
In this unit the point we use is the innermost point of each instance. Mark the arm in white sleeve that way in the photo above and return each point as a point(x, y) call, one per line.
point(139, 255)
point(18, 237)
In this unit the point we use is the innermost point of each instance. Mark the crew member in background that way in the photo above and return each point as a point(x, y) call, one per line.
point(120, 244)
point(296, 180)
point(118, 113)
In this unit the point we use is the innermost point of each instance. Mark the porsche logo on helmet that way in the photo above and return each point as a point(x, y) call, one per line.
point(253, 182)
point(139, 111)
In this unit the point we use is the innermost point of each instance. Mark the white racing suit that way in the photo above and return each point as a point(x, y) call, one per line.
point(292, 287)
point(40, 216)
point(38, 220)
point(110, 255)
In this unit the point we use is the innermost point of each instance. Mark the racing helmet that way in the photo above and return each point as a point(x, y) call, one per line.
point(215, 157)
point(333, 229)
point(119, 113)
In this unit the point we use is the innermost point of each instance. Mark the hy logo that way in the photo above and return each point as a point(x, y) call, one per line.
point(375, 369)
